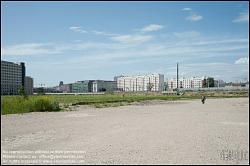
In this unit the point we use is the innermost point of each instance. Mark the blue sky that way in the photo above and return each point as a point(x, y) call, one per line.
point(72, 41)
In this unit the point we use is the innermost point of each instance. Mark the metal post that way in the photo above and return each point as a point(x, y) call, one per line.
point(207, 82)
point(177, 76)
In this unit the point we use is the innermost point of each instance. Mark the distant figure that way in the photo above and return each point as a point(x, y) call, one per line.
point(203, 98)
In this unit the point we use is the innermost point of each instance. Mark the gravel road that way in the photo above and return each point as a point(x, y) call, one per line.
point(159, 132)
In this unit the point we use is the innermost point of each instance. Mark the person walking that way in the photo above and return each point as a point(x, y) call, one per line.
point(203, 98)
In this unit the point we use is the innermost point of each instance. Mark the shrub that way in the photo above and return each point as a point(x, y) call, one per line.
point(12, 105)
point(45, 104)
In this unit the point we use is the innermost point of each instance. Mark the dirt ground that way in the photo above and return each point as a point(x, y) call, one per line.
point(154, 132)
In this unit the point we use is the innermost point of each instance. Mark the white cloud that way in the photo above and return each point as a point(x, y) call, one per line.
point(242, 61)
point(30, 49)
point(103, 33)
point(194, 17)
point(187, 34)
point(147, 56)
point(44, 49)
point(243, 17)
point(136, 39)
point(225, 41)
point(98, 32)
point(77, 29)
point(186, 9)
point(74, 28)
point(151, 27)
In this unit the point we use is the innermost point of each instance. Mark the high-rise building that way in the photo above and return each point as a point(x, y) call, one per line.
point(12, 77)
point(151, 82)
point(28, 85)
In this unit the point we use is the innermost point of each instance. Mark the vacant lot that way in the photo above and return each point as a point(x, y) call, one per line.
point(54, 103)
point(151, 132)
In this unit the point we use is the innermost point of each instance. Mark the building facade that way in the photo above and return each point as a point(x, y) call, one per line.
point(80, 87)
point(65, 88)
point(219, 83)
point(193, 82)
point(102, 86)
point(151, 82)
point(93, 86)
point(28, 85)
point(12, 77)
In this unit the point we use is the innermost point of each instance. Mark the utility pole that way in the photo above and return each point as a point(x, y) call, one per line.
point(177, 76)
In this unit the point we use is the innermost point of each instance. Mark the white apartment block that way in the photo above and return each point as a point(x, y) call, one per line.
point(140, 82)
point(193, 82)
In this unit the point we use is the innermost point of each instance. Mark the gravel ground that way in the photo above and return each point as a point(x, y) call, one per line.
point(159, 132)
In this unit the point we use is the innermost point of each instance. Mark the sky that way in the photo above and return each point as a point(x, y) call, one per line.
point(72, 41)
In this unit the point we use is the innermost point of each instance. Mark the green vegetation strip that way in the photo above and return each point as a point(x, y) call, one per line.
point(19, 104)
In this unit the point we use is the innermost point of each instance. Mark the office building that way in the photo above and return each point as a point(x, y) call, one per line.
point(12, 77)
point(80, 87)
point(65, 88)
point(93, 86)
point(137, 83)
point(102, 86)
point(28, 85)
point(219, 83)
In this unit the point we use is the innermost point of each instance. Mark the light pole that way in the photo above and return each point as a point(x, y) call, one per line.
point(207, 82)
point(177, 77)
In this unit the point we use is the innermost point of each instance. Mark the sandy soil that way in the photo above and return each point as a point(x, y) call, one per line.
point(179, 132)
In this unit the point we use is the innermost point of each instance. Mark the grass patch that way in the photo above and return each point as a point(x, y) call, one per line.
point(17, 104)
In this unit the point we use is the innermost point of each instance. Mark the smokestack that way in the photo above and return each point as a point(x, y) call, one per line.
point(177, 75)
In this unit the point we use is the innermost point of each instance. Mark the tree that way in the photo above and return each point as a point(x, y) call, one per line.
point(150, 86)
point(22, 92)
point(40, 91)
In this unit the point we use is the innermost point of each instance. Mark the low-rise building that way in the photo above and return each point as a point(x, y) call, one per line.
point(219, 83)
point(102, 86)
point(80, 87)
point(65, 88)
point(93, 86)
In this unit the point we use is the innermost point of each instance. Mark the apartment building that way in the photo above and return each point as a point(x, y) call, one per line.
point(150, 82)
point(192, 82)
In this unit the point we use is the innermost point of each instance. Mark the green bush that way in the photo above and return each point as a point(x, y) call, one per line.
point(44, 104)
point(17, 104)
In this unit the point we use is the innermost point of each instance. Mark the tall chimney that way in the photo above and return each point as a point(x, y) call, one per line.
point(177, 76)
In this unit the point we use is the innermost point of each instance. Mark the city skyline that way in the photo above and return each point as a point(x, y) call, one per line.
point(72, 41)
